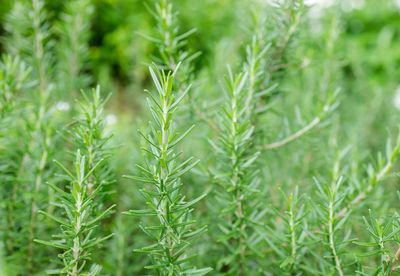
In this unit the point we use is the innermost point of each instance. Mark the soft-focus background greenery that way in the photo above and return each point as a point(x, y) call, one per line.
point(366, 50)
point(361, 56)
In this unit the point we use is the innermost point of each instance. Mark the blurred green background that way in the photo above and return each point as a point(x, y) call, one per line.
point(367, 49)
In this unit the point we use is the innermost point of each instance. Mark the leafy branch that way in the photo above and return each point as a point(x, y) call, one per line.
point(328, 107)
point(173, 234)
point(171, 48)
point(77, 226)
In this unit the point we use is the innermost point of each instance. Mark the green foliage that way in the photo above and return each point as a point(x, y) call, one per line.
point(81, 202)
point(381, 235)
point(91, 137)
point(13, 77)
point(332, 198)
point(76, 237)
point(173, 233)
point(296, 226)
point(289, 142)
point(73, 50)
point(34, 130)
point(238, 180)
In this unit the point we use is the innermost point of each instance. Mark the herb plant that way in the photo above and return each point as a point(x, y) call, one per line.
point(172, 234)
point(289, 108)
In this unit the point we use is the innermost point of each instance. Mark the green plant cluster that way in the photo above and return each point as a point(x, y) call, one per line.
point(265, 142)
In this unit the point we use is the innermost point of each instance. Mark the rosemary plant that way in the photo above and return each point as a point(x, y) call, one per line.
point(173, 232)
point(295, 231)
point(238, 181)
point(30, 38)
point(77, 225)
point(285, 200)
point(81, 201)
point(284, 30)
point(382, 235)
point(72, 51)
point(335, 209)
point(170, 42)
point(332, 197)
point(13, 78)
point(172, 48)
point(92, 138)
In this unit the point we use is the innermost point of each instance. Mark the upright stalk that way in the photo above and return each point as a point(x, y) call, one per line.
point(235, 197)
point(81, 200)
point(236, 182)
point(40, 125)
point(331, 240)
point(172, 229)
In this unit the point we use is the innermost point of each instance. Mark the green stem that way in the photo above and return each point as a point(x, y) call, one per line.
point(336, 260)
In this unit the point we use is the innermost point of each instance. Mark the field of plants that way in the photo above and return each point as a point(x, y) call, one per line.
point(212, 137)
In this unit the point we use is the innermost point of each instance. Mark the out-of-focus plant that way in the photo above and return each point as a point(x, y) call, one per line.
point(76, 240)
point(81, 201)
point(73, 49)
point(237, 195)
point(30, 39)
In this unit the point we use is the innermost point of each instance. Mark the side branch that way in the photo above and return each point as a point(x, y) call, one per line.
point(362, 195)
point(294, 136)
